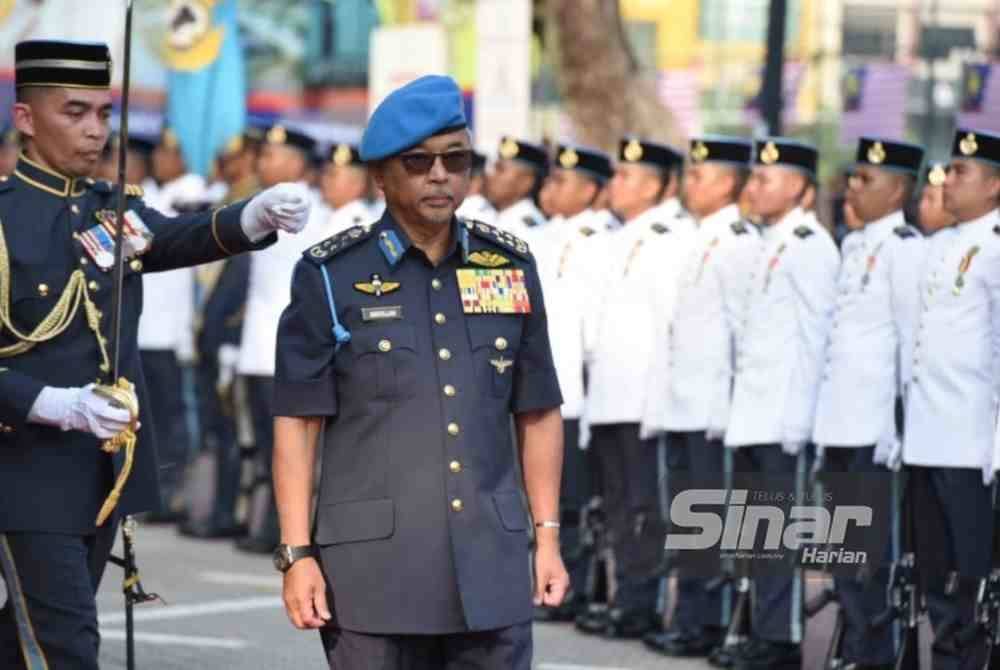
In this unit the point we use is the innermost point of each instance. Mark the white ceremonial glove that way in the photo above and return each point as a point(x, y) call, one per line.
point(79, 409)
point(282, 207)
point(229, 356)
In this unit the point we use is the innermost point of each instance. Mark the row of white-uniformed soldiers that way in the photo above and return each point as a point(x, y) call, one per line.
point(742, 343)
point(757, 347)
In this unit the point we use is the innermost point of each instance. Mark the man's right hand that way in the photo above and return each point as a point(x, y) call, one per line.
point(304, 594)
point(79, 409)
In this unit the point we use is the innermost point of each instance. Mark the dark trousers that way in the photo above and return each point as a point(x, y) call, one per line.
point(503, 649)
point(574, 493)
point(165, 381)
point(631, 500)
point(213, 485)
point(777, 590)
point(954, 532)
point(698, 461)
point(50, 618)
point(862, 598)
point(262, 517)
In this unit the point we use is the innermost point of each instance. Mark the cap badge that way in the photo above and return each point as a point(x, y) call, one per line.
point(769, 154)
point(633, 151)
point(876, 153)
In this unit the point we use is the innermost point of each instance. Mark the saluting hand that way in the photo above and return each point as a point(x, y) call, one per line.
point(551, 578)
point(282, 207)
point(304, 594)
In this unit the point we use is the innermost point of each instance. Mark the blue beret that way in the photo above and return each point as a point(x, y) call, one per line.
point(411, 114)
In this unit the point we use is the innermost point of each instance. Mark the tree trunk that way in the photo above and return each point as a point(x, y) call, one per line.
point(603, 90)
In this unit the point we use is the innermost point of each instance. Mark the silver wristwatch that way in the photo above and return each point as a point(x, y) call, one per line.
point(285, 555)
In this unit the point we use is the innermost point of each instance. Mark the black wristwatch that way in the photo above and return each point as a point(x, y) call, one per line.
point(285, 555)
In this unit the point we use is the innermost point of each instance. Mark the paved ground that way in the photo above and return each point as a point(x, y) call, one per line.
point(224, 611)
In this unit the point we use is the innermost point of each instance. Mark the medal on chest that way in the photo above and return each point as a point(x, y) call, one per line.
point(963, 267)
point(99, 241)
point(704, 259)
point(870, 266)
point(486, 291)
point(772, 265)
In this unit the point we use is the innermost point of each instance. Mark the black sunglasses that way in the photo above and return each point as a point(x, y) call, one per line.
point(455, 162)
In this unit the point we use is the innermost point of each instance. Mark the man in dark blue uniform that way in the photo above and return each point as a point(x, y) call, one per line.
point(57, 228)
point(407, 346)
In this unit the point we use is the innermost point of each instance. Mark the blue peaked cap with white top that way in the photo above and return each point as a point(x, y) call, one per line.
point(409, 115)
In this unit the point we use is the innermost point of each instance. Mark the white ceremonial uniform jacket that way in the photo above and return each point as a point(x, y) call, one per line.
point(873, 322)
point(951, 402)
point(780, 350)
point(268, 293)
point(333, 221)
point(631, 290)
point(167, 321)
point(477, 208)
point(521, 218)
point(560, 251)
point(692, 385)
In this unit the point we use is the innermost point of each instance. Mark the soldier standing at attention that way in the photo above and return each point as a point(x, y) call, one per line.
point(779, 363)
point(951, 403)
point(56, 258)
point(406, 348)
point(876, 308)
point(511, 187)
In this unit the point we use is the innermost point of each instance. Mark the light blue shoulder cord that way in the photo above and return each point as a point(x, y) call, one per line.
point(341, 334)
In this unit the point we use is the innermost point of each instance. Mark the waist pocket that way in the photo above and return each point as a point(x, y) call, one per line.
point(511, 511)
point(355, 521)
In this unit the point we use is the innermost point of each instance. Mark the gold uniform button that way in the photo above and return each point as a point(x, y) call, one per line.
point(436, 284)
point(93, 285)
point(453, 429)
point(440, 319)
point(83, 261)
point(455, 466)
point(43, 290)
point(136, 265)
point(384, 346)
point(74, 209)
point(444, 355)
point(501, 343)
point(456, 505)
point(449, 390)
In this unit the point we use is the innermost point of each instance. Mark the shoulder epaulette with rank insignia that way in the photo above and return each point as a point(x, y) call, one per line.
point(133, 190)
point(904, 231)
point(587, 231)
point(803, 231)
point(493, 234)
point(659, 228)
point(321, 252)
point(739, 227)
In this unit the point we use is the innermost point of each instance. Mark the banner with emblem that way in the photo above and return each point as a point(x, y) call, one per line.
point(206, 81)
point(980, 97)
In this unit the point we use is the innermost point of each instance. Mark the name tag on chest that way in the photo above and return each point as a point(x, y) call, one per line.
point(486, 291)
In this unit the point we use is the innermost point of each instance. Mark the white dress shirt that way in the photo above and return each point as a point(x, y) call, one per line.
point(876, 309)
point(951, 402)
point(781, 346)
point(167, 321)
point(268, 293)
point(559, 249)
point(521, 219)
point(630, 296)
point(692, 383)
point(477, 208)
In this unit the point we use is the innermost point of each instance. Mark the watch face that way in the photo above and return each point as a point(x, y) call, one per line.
point(282, 560)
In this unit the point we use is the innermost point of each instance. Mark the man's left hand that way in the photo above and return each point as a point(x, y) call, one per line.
point(551, 578)
point(282, 207)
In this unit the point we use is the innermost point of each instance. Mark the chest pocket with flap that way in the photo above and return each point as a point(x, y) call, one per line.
point(387, 355)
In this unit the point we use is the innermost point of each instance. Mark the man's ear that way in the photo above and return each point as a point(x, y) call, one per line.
point(377, 172)
point(24, 120)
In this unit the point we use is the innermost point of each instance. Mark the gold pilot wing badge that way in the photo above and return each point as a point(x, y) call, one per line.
point(501, 364)
point(488, 259)
point(486, 291)
point(376, 286)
